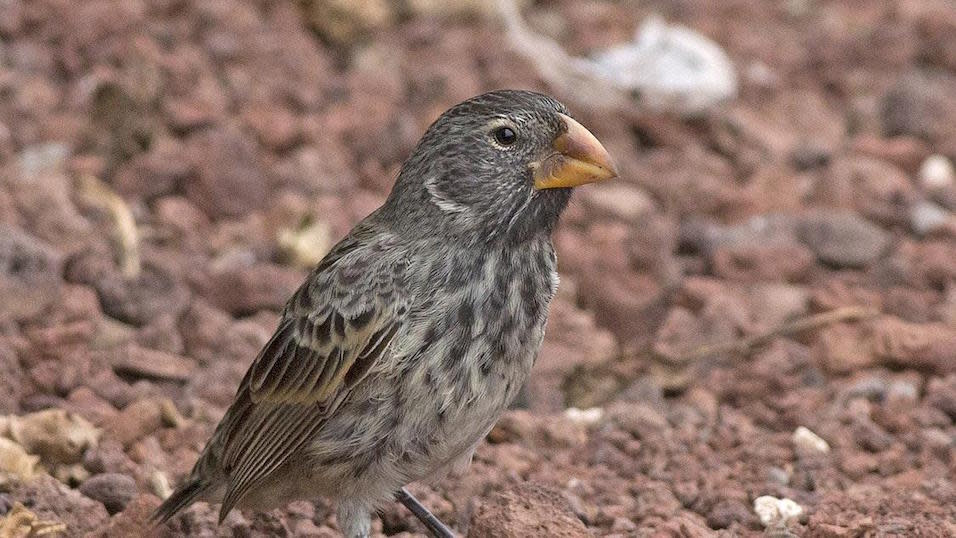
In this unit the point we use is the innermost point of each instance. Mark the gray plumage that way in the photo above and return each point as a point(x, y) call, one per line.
point(406, 343)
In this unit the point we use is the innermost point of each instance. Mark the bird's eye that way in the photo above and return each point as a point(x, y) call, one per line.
point(505, 136)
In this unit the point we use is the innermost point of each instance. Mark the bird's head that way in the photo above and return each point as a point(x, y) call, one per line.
point(501, 164)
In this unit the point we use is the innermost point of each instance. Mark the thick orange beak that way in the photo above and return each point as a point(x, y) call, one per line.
point(580, 159)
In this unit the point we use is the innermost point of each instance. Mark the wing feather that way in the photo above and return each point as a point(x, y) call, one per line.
point(326, 343)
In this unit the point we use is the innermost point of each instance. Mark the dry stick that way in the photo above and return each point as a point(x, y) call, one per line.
point(743, 345)
point(126, 235)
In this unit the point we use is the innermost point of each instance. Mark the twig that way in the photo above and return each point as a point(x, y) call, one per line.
point(744, 345)
point(125, 232)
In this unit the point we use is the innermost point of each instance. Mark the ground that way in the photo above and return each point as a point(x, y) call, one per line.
point(764, 303)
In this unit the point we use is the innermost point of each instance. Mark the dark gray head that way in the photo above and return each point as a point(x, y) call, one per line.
point(499, 165)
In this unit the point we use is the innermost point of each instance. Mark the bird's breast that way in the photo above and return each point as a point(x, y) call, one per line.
point(480, 327)
point(464, 355)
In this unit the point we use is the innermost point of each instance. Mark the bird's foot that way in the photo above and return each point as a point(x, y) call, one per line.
point(434, 525)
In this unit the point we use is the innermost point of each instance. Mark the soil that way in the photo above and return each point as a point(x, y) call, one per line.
point(169, 169)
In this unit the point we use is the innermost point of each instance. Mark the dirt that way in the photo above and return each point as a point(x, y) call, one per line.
point(236, 140)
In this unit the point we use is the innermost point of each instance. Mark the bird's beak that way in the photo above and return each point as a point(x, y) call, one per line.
point(579, 159)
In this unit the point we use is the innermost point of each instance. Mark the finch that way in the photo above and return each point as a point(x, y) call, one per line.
point(405, 344)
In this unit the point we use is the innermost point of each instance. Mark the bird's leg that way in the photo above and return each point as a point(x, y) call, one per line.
point(434, 525)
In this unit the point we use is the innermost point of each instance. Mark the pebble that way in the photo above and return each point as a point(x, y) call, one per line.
point(808, 442)
point(55, 501)
point(114, 490)
point(927, 217)
point(775, 512)
point(143, 363)
point(230, 181)
point(305, 247)
point(588, 417)
point(107, 456)
point(136, 420)
point(54, 435)
point(159, 484)
point(29, 274)
point(16, 461)
point(40, 158)
point(526, 510)
point(843, 239)
point(937, 173)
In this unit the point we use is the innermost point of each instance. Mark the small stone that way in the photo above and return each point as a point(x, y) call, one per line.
point(138, 419)
point(158, 172)
point(640, 420)
point(114, 490)
point(845, 348)
point(244, 289)
point(50, 499)
point(137, 362)
point(88, 404)
point(843, 239)
point(526, 510)
point(70, 474)
point(346, 22)
point(22, 522)
point(588, 417)
point(159, 484)
point(937, 173)
point(920, 346)
point(54, 435)
point(774, 512)
point(306, 246)
point(939, 440)
point(16, 461)
point(41, 158)
point(918, 104)
point(276, 127)
point(727, 512)
point(758, 262)
point(230, 180)
point(13, 380)
point(29, 274)
point(106, 457)
point(779, 476)
point(623, 525)
point(927, 217)
point(807, 442)
point(137, 301)
point(171, 415)
point(133, 520)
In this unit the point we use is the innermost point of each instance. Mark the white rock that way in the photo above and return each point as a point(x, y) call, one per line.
point(159, 484)
point(54, 435)
point(666, 67)
point(16, 461)
point(774, 512)
point(809, 442)
point(587, 417)
point(926, 217)
point(937, 172)
point(673, 68)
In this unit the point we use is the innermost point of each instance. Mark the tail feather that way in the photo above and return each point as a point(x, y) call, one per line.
point(184, 495)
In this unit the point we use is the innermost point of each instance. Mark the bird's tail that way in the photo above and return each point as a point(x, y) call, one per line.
point(187, 493)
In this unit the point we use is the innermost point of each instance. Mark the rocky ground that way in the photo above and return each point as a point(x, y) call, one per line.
point(764, 304)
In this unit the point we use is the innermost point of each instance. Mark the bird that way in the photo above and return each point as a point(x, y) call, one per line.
point(407, 341)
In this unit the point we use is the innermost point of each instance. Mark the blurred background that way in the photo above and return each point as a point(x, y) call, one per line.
point(756, 326)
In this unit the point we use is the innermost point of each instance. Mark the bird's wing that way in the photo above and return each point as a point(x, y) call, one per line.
point(333, 330)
